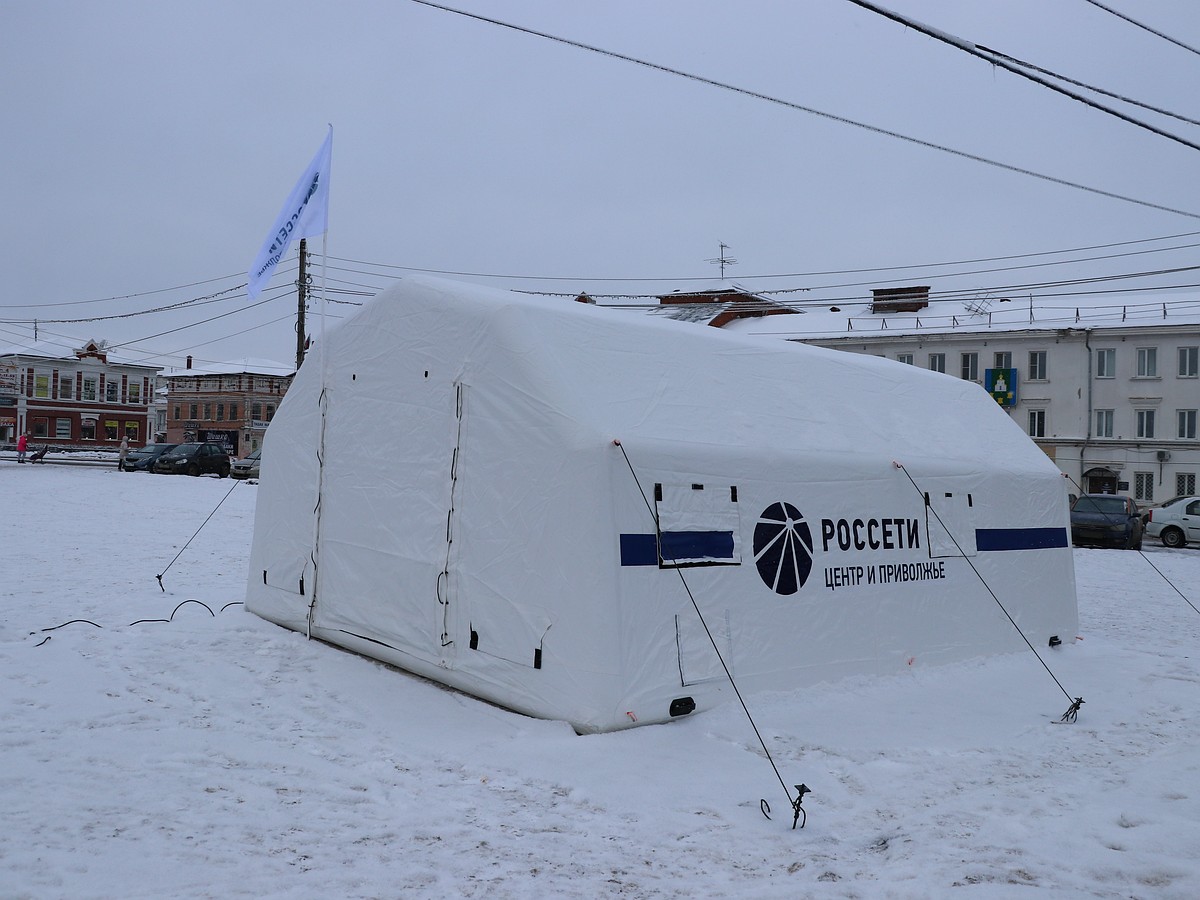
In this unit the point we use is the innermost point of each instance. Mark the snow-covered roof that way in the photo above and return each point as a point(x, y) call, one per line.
point(65, 348)
point(981, 313)
point(234, 367)
point(722, 300)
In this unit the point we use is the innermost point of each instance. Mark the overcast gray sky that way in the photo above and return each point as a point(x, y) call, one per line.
point(148, 146)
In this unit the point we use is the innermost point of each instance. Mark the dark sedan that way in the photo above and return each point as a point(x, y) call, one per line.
point(194, 459)
point(1106, 520)
point(143, 459)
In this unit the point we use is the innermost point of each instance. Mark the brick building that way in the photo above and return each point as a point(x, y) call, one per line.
point(86, 398)
point(229, 403)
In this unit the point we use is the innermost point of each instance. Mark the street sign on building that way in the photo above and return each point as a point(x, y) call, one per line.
point(1002, 385)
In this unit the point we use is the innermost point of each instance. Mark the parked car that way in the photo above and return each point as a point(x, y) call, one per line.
point(194, 459)
point(143, 459)
point(1146, 510)
point(248, 467)
point(1177, 523)
point(1106, 520)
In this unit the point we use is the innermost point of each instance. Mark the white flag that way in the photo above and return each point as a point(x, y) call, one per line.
point(305, 214)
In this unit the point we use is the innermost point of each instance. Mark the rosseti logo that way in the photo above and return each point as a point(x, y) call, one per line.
point(783, 548)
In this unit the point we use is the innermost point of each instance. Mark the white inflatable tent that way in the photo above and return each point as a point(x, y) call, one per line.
point(521, 498)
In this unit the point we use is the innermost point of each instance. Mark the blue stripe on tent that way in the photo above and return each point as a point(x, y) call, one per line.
point(714, 545)
point(639, 550)
point(1020, 538)
point(642, 549)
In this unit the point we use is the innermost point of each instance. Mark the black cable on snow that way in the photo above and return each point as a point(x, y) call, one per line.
point(193, 537)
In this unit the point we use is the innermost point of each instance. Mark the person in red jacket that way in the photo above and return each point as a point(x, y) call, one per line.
point(22, 446)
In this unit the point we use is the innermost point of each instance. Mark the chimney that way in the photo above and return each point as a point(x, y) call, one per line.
point(189, 362)
point(900, 299)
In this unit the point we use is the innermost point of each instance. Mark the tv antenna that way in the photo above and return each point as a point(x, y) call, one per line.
point(723, 260)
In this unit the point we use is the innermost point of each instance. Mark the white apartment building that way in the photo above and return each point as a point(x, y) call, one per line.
point(1107, 385)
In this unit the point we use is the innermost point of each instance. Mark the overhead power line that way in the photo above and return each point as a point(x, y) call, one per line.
point(807, 109)
point(1003, 63)
point(911, 271)
point(127, 296)
point(1090, 87)
point(1144, 27)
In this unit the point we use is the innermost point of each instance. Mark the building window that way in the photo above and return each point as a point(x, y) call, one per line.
point(1104, 423)
point(1143, 486)
point(1145, 423)
point(41, 386)
point(207, 411)
point(110, 429)
point(131, 430)
point(41, 428)
point(1189, 362)
point(1147, 366)
point(62, 429)
point(135, 392)
point(270, 411)
point(66, 386)
point(192, 412)
point(232, 412)
point(937, 362)
point(178, 410)
point(220, 412)
point(906, 358)
point(1185, 484)
point(89, 389)
point(1003, 359)
point(1037, 365)
point(970, 366)
point(1037, 423)
point(87, 430)
point(1186, 419)
point(112, 392)
point(256, 411)
point(1106, 363)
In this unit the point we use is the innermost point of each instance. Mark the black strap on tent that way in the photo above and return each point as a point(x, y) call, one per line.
point(315, 555)
point(160, 575)
point(763, 805)
point(1149, 562)
point(1072, 713)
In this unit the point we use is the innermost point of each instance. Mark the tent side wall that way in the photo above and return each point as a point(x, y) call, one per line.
point(491, 535)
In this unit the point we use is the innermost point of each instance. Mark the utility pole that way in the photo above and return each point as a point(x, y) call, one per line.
point(301, 301)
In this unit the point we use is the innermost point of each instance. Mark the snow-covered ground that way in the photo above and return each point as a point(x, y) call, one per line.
point(217, 755)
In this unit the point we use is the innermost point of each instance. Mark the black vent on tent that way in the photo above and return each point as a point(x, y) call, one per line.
point(681, 706)
point(301, 585)
point(537, 657)
point(733, 493)
point(474, 639)
point(658, 493)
